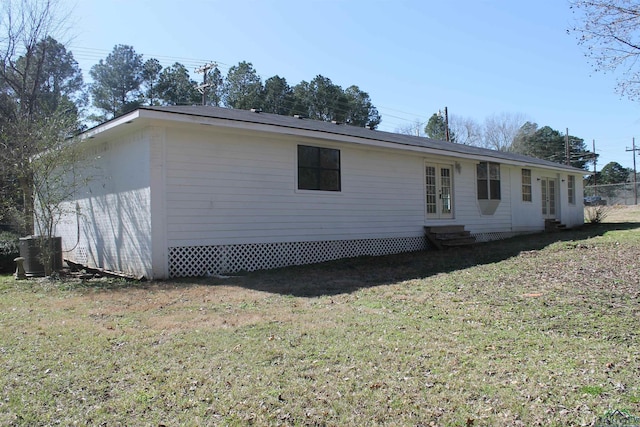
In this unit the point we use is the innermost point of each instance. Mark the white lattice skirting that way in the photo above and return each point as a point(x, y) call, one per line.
point(194, 261)
point(488, 237)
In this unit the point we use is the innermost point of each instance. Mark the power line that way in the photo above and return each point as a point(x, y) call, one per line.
point(87, 54)
point(94, 55)
point(203, 88)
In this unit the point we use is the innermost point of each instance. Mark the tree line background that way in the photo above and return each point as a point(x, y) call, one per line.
point(44, 101)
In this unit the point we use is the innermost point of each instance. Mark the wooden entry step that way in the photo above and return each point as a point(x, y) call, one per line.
point(448, 236)
point(553, 226)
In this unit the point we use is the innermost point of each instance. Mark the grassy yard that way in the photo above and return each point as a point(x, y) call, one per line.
point(541, 330)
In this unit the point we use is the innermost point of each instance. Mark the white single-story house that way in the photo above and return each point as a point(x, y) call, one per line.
point(192, 191)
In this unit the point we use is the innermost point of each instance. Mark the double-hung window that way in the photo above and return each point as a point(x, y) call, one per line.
point(488, 181)
point(318, 168)
point(526, 185)
point(571, 189)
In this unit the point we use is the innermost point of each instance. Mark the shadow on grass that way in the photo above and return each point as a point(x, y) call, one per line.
point(349, 275)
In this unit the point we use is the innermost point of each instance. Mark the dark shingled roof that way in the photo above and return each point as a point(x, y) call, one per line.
point(354, 131)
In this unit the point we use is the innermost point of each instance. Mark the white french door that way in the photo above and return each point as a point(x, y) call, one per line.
point(548, 187)
point(439, 191)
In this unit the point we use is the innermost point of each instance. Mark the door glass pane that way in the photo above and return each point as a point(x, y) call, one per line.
point(445, 190)
point(544, 196)
point(552, 197)
point(430, 174)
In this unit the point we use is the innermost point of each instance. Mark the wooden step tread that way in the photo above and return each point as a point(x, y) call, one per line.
point(442, 236)
point(447, 236)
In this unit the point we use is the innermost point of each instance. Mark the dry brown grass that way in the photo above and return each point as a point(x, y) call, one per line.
point(622, 213)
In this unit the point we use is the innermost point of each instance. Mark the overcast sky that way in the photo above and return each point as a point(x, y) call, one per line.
point(476, 57)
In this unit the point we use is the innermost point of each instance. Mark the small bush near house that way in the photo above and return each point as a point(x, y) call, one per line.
point(596, 214)
point(9, 250)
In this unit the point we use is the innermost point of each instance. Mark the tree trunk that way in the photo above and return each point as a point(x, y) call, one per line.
point(26, 186)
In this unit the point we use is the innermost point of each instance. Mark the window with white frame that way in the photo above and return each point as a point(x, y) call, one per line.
point(488, 181)
point(526, 185)
point(571, 189)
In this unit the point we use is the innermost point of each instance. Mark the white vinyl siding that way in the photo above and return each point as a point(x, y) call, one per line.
point(466, 205)
point(166, 188)
point(114, 209)
point(225, 190)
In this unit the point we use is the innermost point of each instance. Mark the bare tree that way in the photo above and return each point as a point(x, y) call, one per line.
point(23, 25)
point(610, 32)
point(414, 129)
point(467, 130)
point(39, 83)
point(25, 30)
point(501, 129)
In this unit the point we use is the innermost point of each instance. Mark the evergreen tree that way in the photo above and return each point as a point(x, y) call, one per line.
point(436, 128)
point(361, 111)
point(215, 90)
point(277, 96)
point(175, 87)
point(117, 80)
point(614, 173)
point(549, 144)
point(243, 87)
point(150, 75)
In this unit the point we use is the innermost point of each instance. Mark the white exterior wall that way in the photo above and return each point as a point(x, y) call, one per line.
point(572, 214)
point(466, 209)
point(170, 197)
point(114, 219)
point(225, 188)
point(468, 212)
point(238, 188)
point(527, 216)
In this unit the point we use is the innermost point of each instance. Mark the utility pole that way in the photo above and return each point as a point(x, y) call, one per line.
point(447, 137)
point(595, 177)
point(203, 87)
point(635, 173)
point(446, 124)
point(567, 150)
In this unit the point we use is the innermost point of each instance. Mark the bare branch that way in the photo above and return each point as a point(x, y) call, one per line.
point(610, 32)
point(500, 130)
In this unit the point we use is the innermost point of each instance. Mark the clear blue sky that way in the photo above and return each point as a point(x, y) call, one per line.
point(477, 57)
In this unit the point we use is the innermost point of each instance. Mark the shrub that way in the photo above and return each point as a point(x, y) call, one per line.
point(9, 250)
point(596, 214)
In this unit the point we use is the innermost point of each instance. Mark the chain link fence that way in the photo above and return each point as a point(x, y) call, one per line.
point(612, 194)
